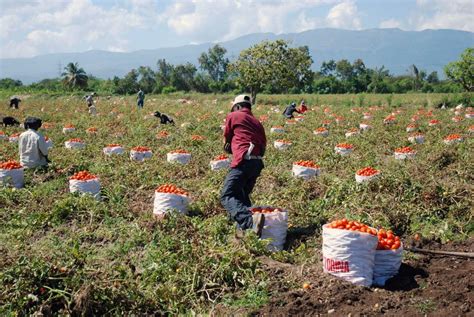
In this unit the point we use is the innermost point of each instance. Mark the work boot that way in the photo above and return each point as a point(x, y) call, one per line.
point(258, 222)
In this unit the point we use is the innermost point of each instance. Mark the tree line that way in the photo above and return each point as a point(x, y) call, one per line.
point(268, 67)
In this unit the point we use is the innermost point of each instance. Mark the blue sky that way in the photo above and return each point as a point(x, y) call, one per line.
point(36, 27)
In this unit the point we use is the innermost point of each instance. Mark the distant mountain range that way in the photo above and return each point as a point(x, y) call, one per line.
point(395, 49)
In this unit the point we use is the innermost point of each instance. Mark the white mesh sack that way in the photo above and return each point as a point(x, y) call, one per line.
point(182, 158)
point(91, 187)
point(166, 202)
point(305, 172)
point(220, 164)
point(12, 177)
point(349, 255)
point(387, 264)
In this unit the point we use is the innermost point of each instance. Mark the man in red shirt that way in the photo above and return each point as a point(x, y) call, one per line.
point(245, 139)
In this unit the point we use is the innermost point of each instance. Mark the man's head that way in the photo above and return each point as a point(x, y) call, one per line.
point(157, 114)
point(32, 123)
point(240, 102)
point(293, 104)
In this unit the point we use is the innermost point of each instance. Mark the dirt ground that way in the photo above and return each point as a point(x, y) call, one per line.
point(426, 285)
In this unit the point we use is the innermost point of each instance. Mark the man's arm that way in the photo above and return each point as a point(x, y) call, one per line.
point(43, 147)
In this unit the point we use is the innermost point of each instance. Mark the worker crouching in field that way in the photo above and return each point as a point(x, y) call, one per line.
point(32, 145)
point(245, 138)
point(164, 119)
point(288, 113)
point(15, 102)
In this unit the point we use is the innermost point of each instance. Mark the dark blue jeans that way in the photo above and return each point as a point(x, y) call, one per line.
point(235, 195)
point(140, 103)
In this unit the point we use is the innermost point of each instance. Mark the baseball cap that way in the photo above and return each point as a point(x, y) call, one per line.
point(242, 99)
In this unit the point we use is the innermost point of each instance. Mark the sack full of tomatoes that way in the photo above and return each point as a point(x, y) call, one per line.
point(168, 198)
point(275, 227)
point(305, 169)
point(11, 173)
point(140, 153)
point(84, 182)
point(74, 144)
point(349, 251)
point(113, 149)
point(388, 257)
point(220, 162)
point(178, 156)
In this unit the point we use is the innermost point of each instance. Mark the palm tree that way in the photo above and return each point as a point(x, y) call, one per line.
point(74, 76)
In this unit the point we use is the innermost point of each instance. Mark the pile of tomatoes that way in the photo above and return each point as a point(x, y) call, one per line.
point(15, 135)
point(453, 137)
point(322, 129)
point(346, 146)
point(171, 189)
point(434, 121)
point(162, 134)
point(367, 171)
point(113, 145)
point(265, 210)
point(92, 130)
point(221, 157)
point(10, 165)
point(179, 152)
point(405, 149)
point(67, 126)
point(284, 141)
point(387, 240)
point(197, 137)
point(352, 225)
point(353, 130)
point(76, 140)
point(141, 149)
point(310, 164)
point(83, 176)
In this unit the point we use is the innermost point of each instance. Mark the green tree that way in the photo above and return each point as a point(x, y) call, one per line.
point(163, 74)
point(74, 77)
point(462, 71)
point(215, 63)
point(272, 64)
point(433, 78)
point(182, 77)
point(146, 79)
point(6, 83)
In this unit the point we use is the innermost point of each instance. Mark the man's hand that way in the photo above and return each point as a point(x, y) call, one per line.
point(227, 147)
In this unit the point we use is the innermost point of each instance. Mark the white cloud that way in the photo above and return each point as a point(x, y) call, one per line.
point(208, 20)
point(444, 14)
point(390, 23)
point(47, 26)
point(344, 15)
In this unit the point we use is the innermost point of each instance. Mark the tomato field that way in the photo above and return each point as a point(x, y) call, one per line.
point(63, 253)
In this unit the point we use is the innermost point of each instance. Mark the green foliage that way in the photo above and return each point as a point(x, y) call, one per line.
point(272, 65)
point(215, 63)
point(74, 77)
point(462, 71)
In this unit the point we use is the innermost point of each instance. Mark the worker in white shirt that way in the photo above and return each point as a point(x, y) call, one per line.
point(32, 145)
